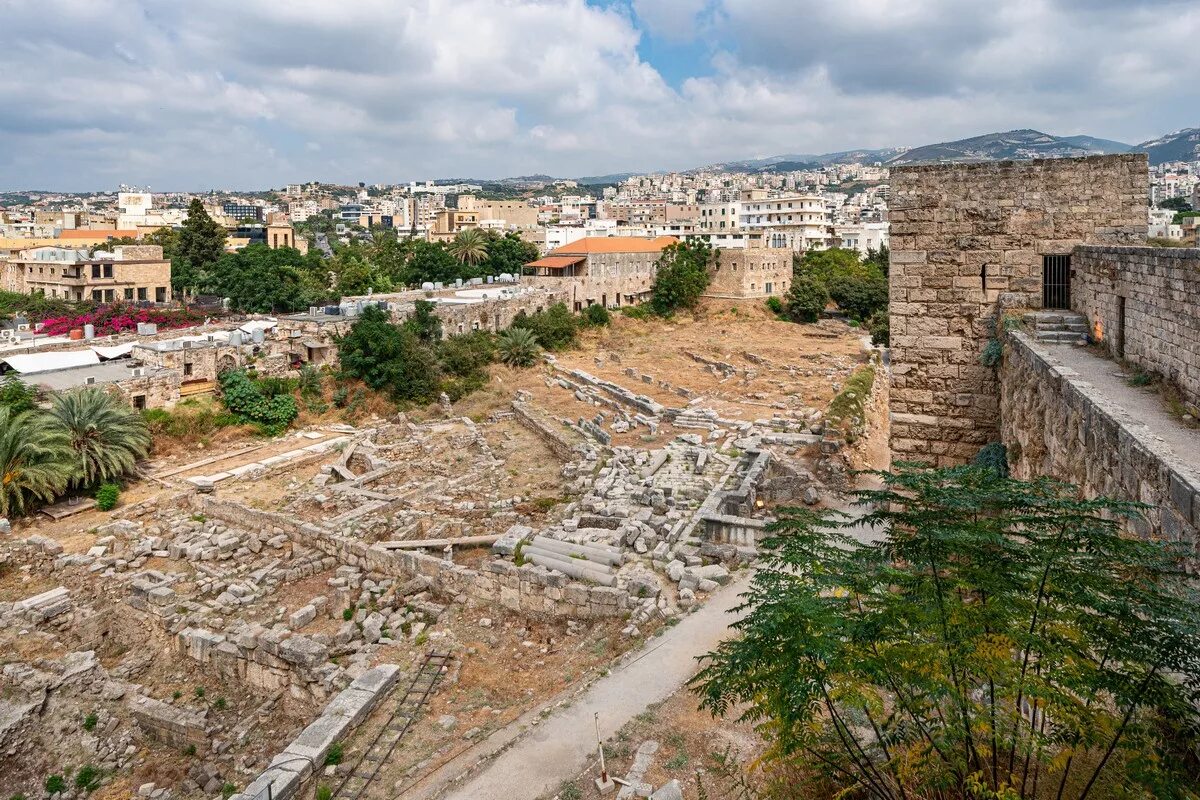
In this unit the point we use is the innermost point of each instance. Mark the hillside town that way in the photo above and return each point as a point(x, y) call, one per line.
point(433, 458)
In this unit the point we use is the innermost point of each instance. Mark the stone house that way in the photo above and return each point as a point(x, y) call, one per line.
point(132, 273)
point(612, 271)
point(751, 272)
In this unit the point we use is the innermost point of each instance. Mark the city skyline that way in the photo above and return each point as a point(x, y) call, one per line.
point(251, 95)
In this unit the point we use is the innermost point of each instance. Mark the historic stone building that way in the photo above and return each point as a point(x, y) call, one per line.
point(971, 240)
point(751, 272)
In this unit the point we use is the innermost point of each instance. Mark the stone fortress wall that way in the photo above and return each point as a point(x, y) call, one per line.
point(967, 241)
point(1143, 305)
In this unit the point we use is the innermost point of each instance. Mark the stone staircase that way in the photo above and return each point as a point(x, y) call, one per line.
point(1058, 327)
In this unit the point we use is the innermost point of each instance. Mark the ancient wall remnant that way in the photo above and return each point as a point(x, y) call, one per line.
point(1056, 423)
point(967, 241)
point(1143, 305)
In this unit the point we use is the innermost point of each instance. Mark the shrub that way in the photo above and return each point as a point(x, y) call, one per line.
point(880, 327)
point(247, 400)
point(596, 316)
point(347, 614)
point(88, 778)
point(220, 703)
point(229, 790)
point(334, 756)
point(55, 784)
point(199, 691)
point(556, 328)
point(806, 299)
point(324, 792)
point(643, 311)
point(775, 305)
point(89, 722)
point(466, 355)
point(310, 380)
point(994, 457)
point(190, 750)
point(389, 357)
point(17, 395)
point(107, 496)
point(518, 347)
point(175, 695)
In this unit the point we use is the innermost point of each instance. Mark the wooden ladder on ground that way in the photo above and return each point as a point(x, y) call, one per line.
point(408, 710)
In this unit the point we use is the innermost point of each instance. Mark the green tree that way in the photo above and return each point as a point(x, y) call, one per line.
point(508, 254)
point(825, 264)
point(389, 357)
point(556, 328)
point(518, 347)
point(424, 323)
point(1175, 204)
point(201, 245)
point(429, 262)
point(16, 395)
point(879, 325)
point(106, 436)
point(469, 246)
point(35, 460)
point(1001, 639)
point(271, 411)
point(880, 259)
point(260, 279)
point(682, 276)
point(860, 294)
point(806, 299)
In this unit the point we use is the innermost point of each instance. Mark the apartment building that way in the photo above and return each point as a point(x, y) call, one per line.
point(863, 236)
point(133, 273)
point(449, 221)
point(801, 222)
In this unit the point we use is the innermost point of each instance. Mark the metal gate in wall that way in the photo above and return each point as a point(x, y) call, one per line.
point(1056, 281)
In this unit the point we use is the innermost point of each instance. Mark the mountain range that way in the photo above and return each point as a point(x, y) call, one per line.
point(1183, 145)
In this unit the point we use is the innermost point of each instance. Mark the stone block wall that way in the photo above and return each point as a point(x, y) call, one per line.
point(1055, 423)
point(749, 272)
point(1160, 288)
point(531, 590)
point(967, 240)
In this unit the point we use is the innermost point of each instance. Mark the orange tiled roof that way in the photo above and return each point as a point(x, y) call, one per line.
point(556, 262)
point(614, 244)
point(83, 233)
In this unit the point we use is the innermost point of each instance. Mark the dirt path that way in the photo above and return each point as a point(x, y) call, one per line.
point(560, 747)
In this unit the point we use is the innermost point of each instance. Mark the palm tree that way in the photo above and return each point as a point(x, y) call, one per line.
point(106, 435)
point(470, 246)
point(35, 459)
point(518, 347)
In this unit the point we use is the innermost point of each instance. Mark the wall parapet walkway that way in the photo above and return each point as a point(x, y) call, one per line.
point(1143, 305)
point(1054, 422)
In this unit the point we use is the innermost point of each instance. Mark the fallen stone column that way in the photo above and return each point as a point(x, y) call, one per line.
point(609, 556)
point(571, 567)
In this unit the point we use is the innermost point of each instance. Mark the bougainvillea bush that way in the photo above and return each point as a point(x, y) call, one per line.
point(119, 317)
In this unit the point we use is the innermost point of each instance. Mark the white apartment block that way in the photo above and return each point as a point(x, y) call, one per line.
point(863, 236)
point(800, 222)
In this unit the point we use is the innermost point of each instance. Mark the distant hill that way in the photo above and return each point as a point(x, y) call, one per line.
point(1019, 144)
point(1181, 145)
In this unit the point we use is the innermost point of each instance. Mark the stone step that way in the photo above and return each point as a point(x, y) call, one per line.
point(1061, 337)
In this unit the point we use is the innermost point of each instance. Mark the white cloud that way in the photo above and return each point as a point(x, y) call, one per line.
point(248, 93)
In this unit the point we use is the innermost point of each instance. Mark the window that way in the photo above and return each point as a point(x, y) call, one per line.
point(160, 294)
point(107, 270)
point(129, 293)
point(98, 295)
point(141, 293)
point(139, 401)
point(95, 270)
point(187, 368)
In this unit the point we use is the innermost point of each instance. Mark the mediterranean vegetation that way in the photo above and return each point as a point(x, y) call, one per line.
point(857, 285)
point(88, 438)
point(682, 276)
point(999, 639)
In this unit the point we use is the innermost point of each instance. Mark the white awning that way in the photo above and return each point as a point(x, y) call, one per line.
point(46, 362)
point(115, 351)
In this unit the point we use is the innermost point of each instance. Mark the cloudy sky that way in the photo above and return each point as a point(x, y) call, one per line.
point(200, 94)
